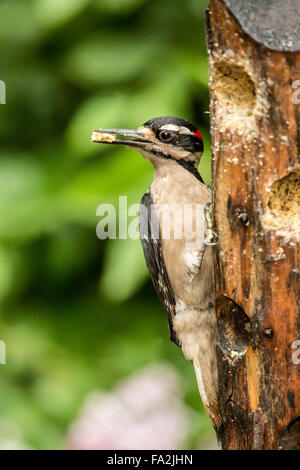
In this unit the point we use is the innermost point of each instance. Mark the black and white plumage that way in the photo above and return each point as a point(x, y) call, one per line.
point(181, 271)
point(151, 243)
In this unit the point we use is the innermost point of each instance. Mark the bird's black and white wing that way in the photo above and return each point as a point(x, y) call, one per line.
point(151, 243)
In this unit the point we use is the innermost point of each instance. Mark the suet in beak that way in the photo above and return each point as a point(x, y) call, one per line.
point(130, 137)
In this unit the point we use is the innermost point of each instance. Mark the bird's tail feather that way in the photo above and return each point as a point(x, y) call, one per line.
point(196, 330)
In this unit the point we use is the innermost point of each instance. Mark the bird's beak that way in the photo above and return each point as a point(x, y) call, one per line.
point(130, 137)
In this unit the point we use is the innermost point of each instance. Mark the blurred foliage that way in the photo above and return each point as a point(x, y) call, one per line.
point(78, 313)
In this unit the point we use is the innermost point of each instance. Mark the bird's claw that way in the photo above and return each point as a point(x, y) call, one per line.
point(207, 242)
point(210, 237)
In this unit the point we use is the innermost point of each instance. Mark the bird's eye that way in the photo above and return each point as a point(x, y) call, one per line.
point(165, 136)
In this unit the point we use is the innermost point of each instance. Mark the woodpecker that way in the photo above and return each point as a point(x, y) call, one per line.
point(181, 268)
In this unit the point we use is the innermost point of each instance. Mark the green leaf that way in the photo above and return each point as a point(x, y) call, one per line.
point(194, 65)
point(24, 199)
point(17, 21)
point(106, 59)
point(117, 6)
point(205, 163)
point(124, 270)
point(52, 13)
point(165, 96)
point(120, 172)
point(6, 272)
point(97, 111)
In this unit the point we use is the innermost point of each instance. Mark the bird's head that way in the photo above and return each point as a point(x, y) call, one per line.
point(159, 139)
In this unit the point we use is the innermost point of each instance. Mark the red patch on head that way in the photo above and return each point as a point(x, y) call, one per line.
point(198, 134)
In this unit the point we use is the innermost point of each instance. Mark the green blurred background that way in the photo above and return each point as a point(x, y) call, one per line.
point(78, 313)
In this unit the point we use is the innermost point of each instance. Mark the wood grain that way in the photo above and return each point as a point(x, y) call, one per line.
point(255, 131)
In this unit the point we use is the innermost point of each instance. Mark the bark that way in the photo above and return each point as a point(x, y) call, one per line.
point(255, 131)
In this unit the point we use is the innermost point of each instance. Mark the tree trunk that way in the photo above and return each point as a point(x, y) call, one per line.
point(255, 130)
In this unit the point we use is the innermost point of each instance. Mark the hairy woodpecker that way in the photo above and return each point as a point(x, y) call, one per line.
point(181, 270)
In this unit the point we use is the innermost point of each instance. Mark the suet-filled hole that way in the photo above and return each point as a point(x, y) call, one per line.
point(290, 438)
point(284, 203)
point(235, 92)
point(233, 327)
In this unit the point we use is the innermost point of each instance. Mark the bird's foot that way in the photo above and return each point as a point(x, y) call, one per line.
point(195, 258)
point(210, 237)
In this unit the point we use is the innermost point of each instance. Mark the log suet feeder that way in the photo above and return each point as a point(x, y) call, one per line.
point(254, 59)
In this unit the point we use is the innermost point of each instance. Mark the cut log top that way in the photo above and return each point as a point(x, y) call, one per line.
point(273, 23)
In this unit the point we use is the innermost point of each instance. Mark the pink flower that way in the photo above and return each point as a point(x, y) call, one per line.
point(145, 411)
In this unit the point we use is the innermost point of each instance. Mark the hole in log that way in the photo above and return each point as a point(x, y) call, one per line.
point(284, 203)
point(290, 438)
point(235, 92)
point(233, 327)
